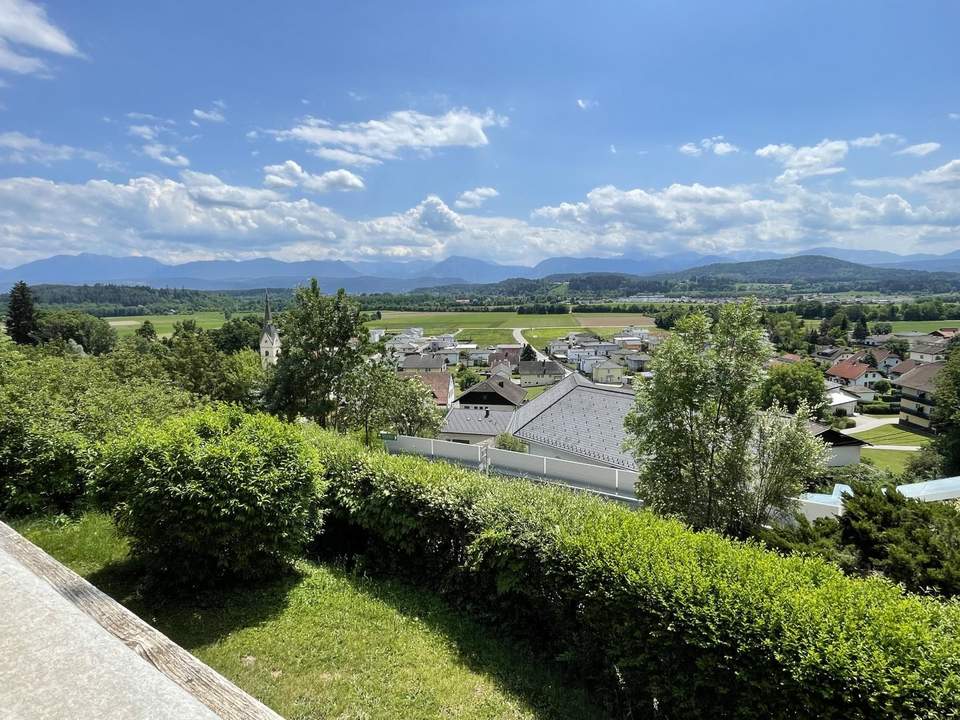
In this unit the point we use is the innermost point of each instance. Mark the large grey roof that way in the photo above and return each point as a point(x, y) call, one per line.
point(423, 362)
point(502, 386)
point(540, 367)
point(922, 377)
point(578, 417)
point(477, 422)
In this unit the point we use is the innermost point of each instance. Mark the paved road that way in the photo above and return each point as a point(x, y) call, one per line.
point(906, 448)
point(518, 336)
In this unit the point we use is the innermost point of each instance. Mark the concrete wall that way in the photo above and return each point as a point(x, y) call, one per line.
point(843, 455)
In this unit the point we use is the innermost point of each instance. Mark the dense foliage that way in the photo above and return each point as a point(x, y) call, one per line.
point(54, 412)
point(214, 493)
point(21, 316)
point(672, 623)
point(792, 385)
point(947, 413)
point(912, 542)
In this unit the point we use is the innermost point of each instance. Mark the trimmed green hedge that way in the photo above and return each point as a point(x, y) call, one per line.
point(674, 623)
point(880, 408)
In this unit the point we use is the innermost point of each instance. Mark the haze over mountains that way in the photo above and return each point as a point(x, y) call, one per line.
point(398, 276)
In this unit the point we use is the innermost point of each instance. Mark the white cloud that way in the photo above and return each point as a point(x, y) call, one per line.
point(613, 149)
point(953, 116)
point(199, 215)
point(808, 161)
point(214, 114)
point(585, 104)
point(940, 177)
point(716, 144)
point(344, 157)
point(24, 27)
point(15, 147)
point(290, 175)
point(919, 150)
point(373, 141)
point(144, 132)
point(166, 154)
point(876, 140)
point(475, 198)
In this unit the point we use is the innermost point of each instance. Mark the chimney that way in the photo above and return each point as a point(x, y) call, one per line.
point(486, 412)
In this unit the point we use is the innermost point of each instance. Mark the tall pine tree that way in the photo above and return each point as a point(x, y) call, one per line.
point(22, 325)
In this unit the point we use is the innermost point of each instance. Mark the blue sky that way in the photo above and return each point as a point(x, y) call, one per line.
point(511, 131)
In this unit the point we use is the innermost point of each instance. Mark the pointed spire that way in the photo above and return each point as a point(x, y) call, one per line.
point(267, 315)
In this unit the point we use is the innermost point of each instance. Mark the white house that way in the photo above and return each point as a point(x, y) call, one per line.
point(589, 362)
point(608, 373)
point(840, 402)
point(540, 372)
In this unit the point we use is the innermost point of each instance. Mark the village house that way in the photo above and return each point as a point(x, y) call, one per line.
point(608, 373)
point(475, 427)
point(637, 362)
point(917, 402)
point(928, 352)
point(439, 342)
point(376, 334)
point(451, 356)
point(495, 393)
point(843, 449)
point(540, 372)
point(440, 384)
point(589, 362)
point(479, 356)
point(902, 368)
point(575, 353)
point(850, 372)
point(423, 363)
point(601, 348)
point(510, 355)
point(501, 368)
point(878, 340)
point(557, 347)
point(841, 402)
point(883, 358)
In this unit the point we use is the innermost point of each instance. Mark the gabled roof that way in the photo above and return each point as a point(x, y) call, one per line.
point(439, 383)
point(930, 348)
point(476, 422)
point(904, 366)
point(500, 385)
point(608, 365)
point(578, 417)
point(922, 377)
point(423, 362)
point(849, 370)
point(540, 367)
point(832, 437)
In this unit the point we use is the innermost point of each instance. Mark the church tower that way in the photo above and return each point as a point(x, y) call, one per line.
point(269, 336)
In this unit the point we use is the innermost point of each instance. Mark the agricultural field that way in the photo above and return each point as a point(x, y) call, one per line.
point(127, 325)
point(440, 322)
point(485, 337)
point(324, 642)
point(923, 325)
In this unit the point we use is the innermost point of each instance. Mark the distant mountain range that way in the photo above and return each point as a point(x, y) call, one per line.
point(395, 276)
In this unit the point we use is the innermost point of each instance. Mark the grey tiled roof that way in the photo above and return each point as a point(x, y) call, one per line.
point(476, 422)
point(540, 367)
point(502, 386)
point(578, 417)
point(423, 362)
point(922, 377)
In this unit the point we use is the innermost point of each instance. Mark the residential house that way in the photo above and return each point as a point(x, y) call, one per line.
point(575, 353)
point(629, 342)
point(945, 333)
point(511, 355)
point(557, 347)
point(608, 373)
point(479, 357)
point(843, 449)
point(503, 368)
point(882, 358)
point(830, 355)
point(850, 372)
point(917, 402)
point(902, 368)
point(376, 334)
point(451, 356)
point(601, 348)
point(440, 384)
point(637, 362)
point(439, 342)
point(540, 372)
point(840, 401)
point(495, 393)
point(423, 363)
point(878, 340)
point(929, 352)
point(476, 427)
point(589, 362)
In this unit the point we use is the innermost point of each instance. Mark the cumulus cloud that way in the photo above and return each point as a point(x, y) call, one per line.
point(716, 145)
point(875, 140)
point(475, 198)
point(373, 141)
point(804, 162)
point(26, 29)
point(165, 154)
point(290, 175)
point(15, 147)
point(920, 149)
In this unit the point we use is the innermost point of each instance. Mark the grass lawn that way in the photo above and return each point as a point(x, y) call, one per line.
point(539, 337)
point(923, 325)
point(893, 460)
point(164, 323)
point(439, 322)
point(326, 643)
point(536, 391)
point(891, 435)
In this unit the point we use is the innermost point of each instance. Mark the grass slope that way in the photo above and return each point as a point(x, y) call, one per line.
point(891, 435)
point(331, 644)
point(893, 460)
point(164, 323)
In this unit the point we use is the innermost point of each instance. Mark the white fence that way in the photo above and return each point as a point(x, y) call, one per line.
point(592, 478)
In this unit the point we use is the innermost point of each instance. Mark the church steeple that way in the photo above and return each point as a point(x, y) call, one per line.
point(269, 336)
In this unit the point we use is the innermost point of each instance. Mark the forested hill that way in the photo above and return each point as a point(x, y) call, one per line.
point(819, 269)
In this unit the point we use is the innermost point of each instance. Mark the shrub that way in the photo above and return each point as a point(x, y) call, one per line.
point(880, 408)
point(55, 413)
point(506, 441)
point(216, 493)
point(683, 624)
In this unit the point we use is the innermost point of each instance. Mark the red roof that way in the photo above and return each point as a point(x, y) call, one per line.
point(438, 382)
point(847, 370)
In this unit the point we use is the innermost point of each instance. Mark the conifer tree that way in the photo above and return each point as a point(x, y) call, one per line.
point(22, 325)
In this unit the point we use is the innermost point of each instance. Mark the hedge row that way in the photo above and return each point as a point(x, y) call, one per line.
point(681, 624)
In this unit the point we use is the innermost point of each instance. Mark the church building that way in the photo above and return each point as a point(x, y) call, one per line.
point(269, 336)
